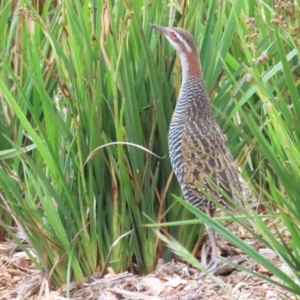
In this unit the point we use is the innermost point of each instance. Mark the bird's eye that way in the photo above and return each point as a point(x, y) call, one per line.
point(173, 35)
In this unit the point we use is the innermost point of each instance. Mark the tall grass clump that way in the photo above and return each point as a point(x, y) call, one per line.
point(87, 94)
point(76, 77)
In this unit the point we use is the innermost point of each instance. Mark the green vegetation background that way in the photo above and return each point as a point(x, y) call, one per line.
point(78, 76)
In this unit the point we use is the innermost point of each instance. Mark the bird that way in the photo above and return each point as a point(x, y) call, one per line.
point(198, 148)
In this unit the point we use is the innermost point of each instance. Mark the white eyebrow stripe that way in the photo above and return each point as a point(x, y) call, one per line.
point(187, 47)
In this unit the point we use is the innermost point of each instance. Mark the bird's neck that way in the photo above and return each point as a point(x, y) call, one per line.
point(193, 98)
point(191, 67)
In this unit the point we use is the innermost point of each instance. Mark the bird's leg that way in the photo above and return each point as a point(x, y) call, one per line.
point(214, 248)
point(215, 253)
point(204, 251)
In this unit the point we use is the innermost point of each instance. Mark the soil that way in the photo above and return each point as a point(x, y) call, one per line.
point(19, 279)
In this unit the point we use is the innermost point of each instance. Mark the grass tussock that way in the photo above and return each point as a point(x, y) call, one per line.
point(78, 76)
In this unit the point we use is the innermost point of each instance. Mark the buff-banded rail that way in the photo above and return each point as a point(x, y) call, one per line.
point(198, 150)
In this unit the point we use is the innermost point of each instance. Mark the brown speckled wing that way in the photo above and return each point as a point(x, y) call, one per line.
point(206, 158)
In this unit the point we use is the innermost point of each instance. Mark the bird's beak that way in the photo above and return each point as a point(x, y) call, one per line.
point(161, 29)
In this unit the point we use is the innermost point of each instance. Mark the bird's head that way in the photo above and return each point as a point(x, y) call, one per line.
point(184, 44)
point(179, 38)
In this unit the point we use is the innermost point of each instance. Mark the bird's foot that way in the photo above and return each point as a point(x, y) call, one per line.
point(215, 257)
point(214, 262)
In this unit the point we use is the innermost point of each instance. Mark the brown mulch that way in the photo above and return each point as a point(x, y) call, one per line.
point(171, 281)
